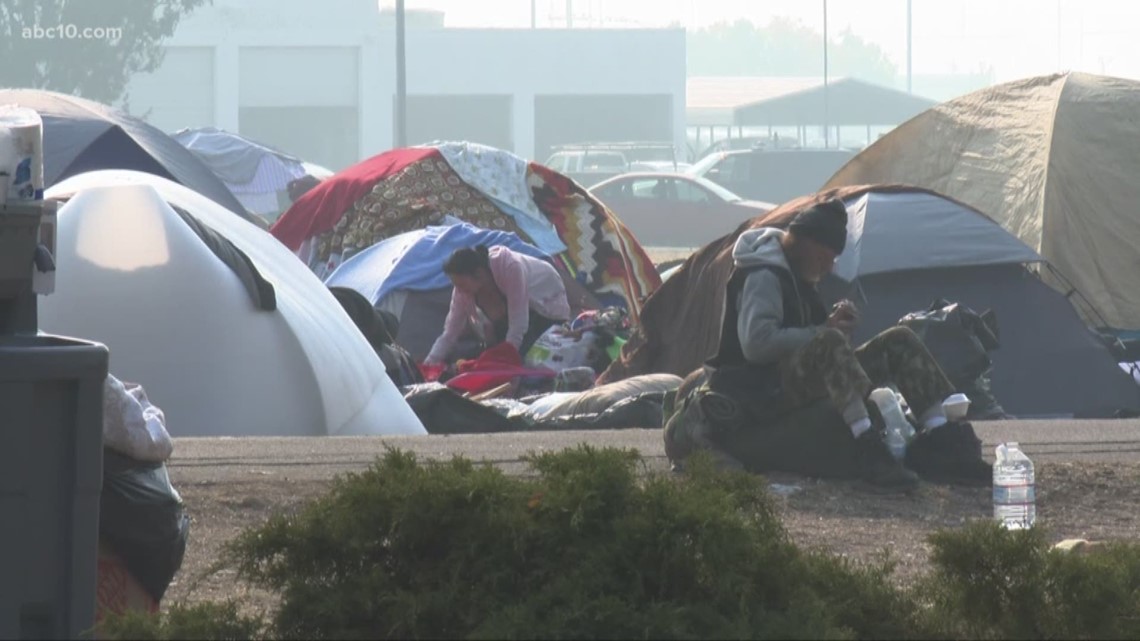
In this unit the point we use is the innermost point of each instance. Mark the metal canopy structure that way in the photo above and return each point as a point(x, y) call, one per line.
point(846, 102)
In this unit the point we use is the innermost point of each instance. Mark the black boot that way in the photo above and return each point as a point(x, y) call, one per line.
point(877, 466)
point(950, 454)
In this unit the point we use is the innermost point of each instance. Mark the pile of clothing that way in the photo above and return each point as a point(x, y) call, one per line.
point(567, 357)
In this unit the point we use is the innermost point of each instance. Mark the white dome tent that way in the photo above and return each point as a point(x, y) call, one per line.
point(133, 275)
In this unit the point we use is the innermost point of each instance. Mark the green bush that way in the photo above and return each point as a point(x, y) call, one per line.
point(584, 548)
point(206, 621)
point(991, 583)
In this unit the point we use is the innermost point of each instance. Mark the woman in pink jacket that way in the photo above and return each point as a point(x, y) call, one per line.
point(520, 297)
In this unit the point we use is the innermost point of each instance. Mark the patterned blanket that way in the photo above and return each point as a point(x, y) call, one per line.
point(601, 252)
point(416, 197)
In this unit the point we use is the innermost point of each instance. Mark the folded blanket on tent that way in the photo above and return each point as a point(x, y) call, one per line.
point(542, 232)
point(418, 196)
point(608, 260)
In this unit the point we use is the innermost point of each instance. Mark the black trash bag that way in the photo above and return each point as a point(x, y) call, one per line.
point(640, 411)
point(950, 454)
point(445, 411)
point(961, 340)
point(142, 520)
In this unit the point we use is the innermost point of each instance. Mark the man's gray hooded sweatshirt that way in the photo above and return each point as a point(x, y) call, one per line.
point(769, 313)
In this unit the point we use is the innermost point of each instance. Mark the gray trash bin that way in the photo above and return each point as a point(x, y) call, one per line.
point(51, 472)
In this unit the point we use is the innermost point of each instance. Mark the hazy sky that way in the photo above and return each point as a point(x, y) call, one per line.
point(1017, 37)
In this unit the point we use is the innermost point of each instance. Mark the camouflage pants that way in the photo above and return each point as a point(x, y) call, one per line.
point(695, 420)
point(827, 368)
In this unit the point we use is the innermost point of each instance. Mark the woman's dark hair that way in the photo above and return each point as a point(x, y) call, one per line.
point(467, 260)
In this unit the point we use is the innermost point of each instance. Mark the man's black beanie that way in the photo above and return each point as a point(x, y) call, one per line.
point(825, 223)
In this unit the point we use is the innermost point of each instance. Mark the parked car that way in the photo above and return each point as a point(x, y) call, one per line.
point(591, 163)
point(773, 175)
point(747, 143)
point(675, 210)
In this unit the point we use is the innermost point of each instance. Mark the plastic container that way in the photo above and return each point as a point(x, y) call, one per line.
point(899, 431)
point(956, 407)
point(1015, 500)
point(51, 458)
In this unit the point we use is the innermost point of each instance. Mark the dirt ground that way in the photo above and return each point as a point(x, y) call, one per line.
point(1075, 500)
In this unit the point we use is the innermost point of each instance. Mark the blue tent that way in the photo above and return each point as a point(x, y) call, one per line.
point(404, 275)
point(413, 261)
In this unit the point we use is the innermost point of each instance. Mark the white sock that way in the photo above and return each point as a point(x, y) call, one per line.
point(933, 418)
point(860, 426)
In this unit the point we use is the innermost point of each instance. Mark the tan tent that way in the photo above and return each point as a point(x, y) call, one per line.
point(1054, 159)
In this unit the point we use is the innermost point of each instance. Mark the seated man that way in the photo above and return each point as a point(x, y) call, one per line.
point(781, 352)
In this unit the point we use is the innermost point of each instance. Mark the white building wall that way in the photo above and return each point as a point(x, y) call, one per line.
point(168, 105)
point(338, 52)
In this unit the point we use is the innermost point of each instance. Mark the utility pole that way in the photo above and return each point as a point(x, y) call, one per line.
point(533, 14)
point(401, 80)
point(909, 47)
point(569, 14)
point(826, 90)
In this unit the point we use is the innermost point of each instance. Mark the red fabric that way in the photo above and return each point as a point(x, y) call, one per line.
point(483, 380)
point(495, 366)
point(322, 207)
point(500, 357)
point(431, 373)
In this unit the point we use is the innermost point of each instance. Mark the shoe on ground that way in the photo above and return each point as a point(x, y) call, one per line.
point(950, 454)
point(878, 467)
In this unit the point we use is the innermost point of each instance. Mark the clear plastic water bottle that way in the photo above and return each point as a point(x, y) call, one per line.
point(1014, 488)
point(898, 429)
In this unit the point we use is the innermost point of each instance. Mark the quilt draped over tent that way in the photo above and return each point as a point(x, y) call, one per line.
point(410, 189)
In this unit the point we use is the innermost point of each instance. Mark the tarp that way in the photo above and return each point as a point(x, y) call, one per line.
point(409, 189)
point(256, 173)
point(81, 135)
point(403, 275)
point(134, 276)
point(414, 260)
point(1049, 362)
point(1054, 159)
point(233, 158)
